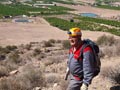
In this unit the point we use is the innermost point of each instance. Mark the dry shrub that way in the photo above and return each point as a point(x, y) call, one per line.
point(36, 51)
point(3, 71)
point(28, 46)
point(117, 45)
point(57, 68)
point(112, 72)
point(106, 40)
point(52, 40)
point(30, 78)
point(110, 51)
point(109, 46)
point(10, 66)
point(13, 83)
point(66, 44)
point(41, 56)
point(14, 57)
point(47, 44)
point(4, 84)
point(33, 75)
point(52, 60)
point(11, 48)
point(7, 49)
point(58, 41)
point(63, 84)
point(52, 78)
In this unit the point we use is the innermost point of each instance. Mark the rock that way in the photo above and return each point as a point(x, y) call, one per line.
point(55, 84)
point(13, 72)
point(37, 88)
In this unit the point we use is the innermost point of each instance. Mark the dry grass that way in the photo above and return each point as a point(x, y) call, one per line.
point(27, 80)
point(66, 44)
point(106, 40)
point(112, 72)
point(48, 73)
point(52, 78)
point(109, 46)
point(3, 71)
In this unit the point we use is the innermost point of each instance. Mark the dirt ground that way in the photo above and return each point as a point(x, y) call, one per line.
point(22, 33)
point(106, 13)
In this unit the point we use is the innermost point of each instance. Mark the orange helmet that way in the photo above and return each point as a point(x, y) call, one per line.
point(74, 32)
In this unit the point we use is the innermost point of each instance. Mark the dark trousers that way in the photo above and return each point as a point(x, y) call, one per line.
point(74, 84)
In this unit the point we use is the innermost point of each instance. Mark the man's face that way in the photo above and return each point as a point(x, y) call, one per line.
point(74, 40)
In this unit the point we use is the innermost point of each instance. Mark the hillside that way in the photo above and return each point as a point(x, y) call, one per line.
point(33, 55)
point(23, 33)
point(42, 65)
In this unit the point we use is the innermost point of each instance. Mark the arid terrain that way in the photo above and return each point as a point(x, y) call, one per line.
point(34, 54)
point(22, 33)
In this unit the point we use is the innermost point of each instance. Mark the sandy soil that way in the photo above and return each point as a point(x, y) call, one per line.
point(21, 33)
point(88, 9)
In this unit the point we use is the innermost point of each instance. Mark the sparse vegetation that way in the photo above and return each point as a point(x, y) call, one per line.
point(106, 40)
point(110, 46)
point(66, 44)
point(43, 64)
point(52, 40)
point(112, 72)
point(36, 52)
point(7, 49)
point(3, 71)
point(27, 80)
point(28, 46)
point(48, 44)
point(14, 58)
point(47, 69)
point(52, 78)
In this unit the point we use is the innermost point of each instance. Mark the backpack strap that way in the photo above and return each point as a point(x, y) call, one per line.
point(82, 49)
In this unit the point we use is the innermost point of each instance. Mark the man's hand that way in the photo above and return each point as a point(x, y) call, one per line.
point(84, 87)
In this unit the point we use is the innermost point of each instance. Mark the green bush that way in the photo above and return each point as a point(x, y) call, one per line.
point(71, 20)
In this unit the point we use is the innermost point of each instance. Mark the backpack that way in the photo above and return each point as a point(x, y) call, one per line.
point(95, 48)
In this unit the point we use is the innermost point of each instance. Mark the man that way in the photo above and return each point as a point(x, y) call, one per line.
point(80, 68)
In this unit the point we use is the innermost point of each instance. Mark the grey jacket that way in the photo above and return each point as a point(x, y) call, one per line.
point(81, 67)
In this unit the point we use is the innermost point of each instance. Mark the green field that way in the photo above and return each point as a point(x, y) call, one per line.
point(19, 9)
point(107, 4)
point(83, 24)
point(109, 7)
